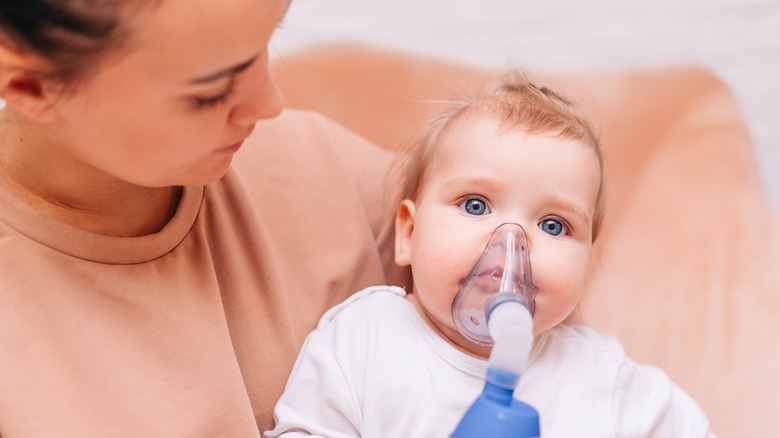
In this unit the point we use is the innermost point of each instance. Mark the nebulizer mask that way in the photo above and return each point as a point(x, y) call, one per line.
point(494, 307)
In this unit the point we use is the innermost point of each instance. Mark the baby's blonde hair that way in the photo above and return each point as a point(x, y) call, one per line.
point(518, 104)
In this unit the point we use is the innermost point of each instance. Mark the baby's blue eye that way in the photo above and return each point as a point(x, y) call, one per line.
point(475, 206)
point(552, 227)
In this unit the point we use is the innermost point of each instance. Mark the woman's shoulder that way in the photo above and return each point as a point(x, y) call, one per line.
point(307, 139)
point(301, 129)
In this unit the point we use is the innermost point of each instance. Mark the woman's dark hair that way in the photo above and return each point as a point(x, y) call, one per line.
point(70, 34)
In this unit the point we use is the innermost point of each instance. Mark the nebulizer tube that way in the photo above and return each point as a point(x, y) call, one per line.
point(494, 307)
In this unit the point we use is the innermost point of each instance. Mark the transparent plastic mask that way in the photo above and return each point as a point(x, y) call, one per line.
point(503, 272)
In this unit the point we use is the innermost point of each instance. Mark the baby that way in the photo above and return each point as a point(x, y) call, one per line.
point(387, 363)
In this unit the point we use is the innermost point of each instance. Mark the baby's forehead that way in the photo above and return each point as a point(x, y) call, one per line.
point(483, 146)
point(482, 132)
point(491, 124)
point(475, 127)
point(481, 127)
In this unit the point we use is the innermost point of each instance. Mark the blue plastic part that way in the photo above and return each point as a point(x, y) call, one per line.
point(502, 379)
point(496, 414)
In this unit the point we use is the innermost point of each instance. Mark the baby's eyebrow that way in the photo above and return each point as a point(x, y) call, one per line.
point(471, 180)
point(573, 209)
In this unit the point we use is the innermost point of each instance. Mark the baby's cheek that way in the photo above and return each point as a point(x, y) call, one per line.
point(555, 301)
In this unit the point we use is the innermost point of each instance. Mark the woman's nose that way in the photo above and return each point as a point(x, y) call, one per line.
point(260, 99)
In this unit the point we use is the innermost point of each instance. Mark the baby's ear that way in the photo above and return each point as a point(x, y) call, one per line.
point(404, 227)
point(22, 86)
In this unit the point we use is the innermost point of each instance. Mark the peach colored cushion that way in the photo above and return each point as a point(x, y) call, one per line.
point(685, 273)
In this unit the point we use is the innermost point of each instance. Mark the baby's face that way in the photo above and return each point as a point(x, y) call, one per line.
point(482, 178)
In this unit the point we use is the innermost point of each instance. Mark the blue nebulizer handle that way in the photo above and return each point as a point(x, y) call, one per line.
point(494, 307)
point(496, 413)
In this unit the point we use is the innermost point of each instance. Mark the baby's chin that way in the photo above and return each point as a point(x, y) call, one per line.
point(468, 347)
point(544, 323)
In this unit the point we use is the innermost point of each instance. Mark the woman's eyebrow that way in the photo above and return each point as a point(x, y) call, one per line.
point(238, 68)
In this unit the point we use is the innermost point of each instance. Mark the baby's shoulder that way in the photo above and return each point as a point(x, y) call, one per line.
point(581, 350)
point(367, 304)
point(623, 398)
point(579, 343)
point(585, 335)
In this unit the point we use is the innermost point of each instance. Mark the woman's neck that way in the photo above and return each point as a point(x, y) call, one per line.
point(76, 194)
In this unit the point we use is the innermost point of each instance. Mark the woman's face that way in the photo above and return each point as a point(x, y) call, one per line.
point(483, 177)
point(174, 106)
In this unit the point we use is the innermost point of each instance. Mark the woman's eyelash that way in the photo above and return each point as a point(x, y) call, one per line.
point(205, 102)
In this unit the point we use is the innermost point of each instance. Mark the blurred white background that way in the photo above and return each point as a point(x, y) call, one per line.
point(738, 40)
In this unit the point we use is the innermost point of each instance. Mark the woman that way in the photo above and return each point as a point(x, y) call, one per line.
point(148, 286)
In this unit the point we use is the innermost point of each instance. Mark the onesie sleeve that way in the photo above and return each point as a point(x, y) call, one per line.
point(317, 401)
point(648, 404)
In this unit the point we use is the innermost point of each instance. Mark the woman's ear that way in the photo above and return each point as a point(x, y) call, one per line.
point(21, 83)
point(404, 227)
